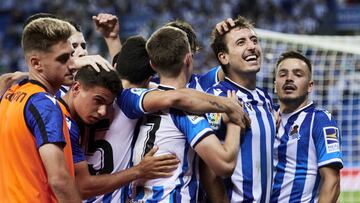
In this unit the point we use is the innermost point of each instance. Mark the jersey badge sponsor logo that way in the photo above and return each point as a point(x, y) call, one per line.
point(214, 120)
point(294, 132)
point(217, 92)
point(137, 91)
point(331, 135)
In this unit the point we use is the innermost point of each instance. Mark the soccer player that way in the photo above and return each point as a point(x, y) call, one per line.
point(176, 131)
point(113, 137)
point(36, 163)
point(307, 146)
point(107, 147)
point(79, 54)
point(239, 53)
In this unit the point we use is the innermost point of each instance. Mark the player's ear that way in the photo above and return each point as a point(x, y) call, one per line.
point(223, 58)
point(311, 84)
point(35, 62)
point(75, 88)
point(187, 59)
point(152, 65)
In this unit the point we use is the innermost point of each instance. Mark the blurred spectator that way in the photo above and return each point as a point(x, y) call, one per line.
point(144, 17)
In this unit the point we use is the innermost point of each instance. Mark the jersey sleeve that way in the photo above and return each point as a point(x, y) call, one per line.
point(194, 127)
point(215, 119)
point(209, 79)
point(130, 101)
point(326, 137)
point(77, 152)
point(44, 119)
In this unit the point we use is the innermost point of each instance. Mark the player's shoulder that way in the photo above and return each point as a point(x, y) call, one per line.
point(321, 114)
point(43, 99)
point(218, 89)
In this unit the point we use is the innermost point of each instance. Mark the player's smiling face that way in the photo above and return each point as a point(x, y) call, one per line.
point(293, 80)
point(244, 51)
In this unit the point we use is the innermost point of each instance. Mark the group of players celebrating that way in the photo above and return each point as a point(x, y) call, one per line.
point(76, 128)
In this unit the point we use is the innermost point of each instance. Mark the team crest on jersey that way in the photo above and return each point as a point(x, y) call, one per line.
point(331, 135)
point(137, 91)
point(294, 132)
point(248, 105)
point(214, 120)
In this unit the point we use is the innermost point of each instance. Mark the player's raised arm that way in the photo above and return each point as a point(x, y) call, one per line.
point(108, 26)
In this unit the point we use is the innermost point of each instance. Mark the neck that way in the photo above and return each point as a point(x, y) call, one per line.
point(127, 84)
point(247, 80)
point(179, 81)
point(50, 88)
point(292, 106)
point(67, 99)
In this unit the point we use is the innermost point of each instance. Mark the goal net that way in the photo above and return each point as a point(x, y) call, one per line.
point(336, 75)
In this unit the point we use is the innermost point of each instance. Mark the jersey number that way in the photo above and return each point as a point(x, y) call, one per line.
point(153, 122)
point(100, 146)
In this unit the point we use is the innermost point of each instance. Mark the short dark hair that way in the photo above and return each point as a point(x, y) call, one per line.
point(90, 78)
point(218, 43)
point(133, 62)
point(167, 48)
point(190, 33)
point(295, 55)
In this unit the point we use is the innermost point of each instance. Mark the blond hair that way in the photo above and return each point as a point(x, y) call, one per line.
point(41, 34)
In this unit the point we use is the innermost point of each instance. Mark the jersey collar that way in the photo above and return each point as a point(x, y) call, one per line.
point(165, 87)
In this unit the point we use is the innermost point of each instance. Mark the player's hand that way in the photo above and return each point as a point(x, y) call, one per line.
point(224, 26)
point(236, 114)
point(8, 79)
point(162, 166)
point(96, 61)
point(107, 25)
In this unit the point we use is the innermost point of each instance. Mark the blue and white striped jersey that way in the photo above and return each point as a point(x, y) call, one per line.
point(175, 132)
point(205, 81)
point(306, 140)
point(62, 91)
point(108, 148)
point(199, 82)
point(252, 178)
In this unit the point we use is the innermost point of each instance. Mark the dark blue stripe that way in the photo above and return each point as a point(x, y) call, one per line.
point(193, 185)
point(315, 191)
point(263, 148)
point(123, 194)
point(139, 193)
point(262, 152)
point(280, 167)
point(107, 198)
point(247, 166)
point(158, 192)
point(301, 160)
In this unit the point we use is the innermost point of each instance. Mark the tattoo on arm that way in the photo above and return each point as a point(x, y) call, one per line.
point(217, 105)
